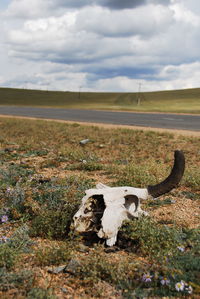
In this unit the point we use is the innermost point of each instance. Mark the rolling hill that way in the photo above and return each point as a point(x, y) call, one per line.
point(181, 101)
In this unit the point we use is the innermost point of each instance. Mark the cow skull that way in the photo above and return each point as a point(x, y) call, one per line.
point(103, 209)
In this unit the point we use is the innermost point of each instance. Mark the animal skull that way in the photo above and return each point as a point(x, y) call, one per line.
point(103, 209)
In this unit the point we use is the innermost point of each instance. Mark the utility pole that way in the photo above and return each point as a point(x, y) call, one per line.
point(139, 94)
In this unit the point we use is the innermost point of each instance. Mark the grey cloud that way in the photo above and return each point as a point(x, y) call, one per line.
point(72, 3)
point(133, 72)
point(111, 4)
point(119, 4)
point(161, 2)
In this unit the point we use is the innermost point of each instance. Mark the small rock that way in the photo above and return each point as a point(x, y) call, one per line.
point(124, 162)
point(101, 145)
point(84, 141)
point(64, 290)
point(57, 270)
point(72, 267)
point(83, 248)
point(172, 201)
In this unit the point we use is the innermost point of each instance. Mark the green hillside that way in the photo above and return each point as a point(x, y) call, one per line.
point(186, 100)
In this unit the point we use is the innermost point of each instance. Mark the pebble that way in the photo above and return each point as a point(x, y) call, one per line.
point(72, 267)
point(83, 248)
point(84, 141)
point(57, 270)
point(64, 290)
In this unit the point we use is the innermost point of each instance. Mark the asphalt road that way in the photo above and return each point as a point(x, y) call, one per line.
point(154, 120)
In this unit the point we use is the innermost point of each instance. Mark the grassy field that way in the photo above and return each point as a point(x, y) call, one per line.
point(185, 101)
point(42, 180)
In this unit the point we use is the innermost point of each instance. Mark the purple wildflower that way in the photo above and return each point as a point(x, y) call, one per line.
point(8, 190)
point(146, 277)
point(4, 218)
point(165, 281)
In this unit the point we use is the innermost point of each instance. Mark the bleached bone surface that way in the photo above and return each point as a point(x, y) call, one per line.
point(104, 209)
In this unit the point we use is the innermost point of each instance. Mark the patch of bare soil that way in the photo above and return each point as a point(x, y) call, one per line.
point(184, 212)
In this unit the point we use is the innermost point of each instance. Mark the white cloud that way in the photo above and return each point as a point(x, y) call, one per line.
point(47, 76)
point(182, 14)
point(100, 44)
point(127, 22)
point(23, 8)
point(73, 38)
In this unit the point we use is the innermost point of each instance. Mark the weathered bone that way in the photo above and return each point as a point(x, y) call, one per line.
point(103, 209)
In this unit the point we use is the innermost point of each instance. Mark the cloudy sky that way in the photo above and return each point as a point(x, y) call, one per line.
point(100, 45)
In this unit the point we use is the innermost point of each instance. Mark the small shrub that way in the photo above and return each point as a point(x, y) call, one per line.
point(86, 166)
point(91, 166)
point(138, 175)
point(11, 280)
point(51, 198)
point(191, 195)
point(15, 201)
point(53, 255)
point(192, 178)
point(56, 213)
point(72, 154)
point(21, 240)
point(8, 256)
point(188, 262)
point(12, 247)
point(13, 174)
point(188, 266)
point(97, 268)
point(35, 153)
point(39, 293)
point(122, 274)
point(6, 156)
point(150, 238)
point(53, 224)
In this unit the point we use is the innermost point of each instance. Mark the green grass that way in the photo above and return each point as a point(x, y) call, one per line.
point(185, 101)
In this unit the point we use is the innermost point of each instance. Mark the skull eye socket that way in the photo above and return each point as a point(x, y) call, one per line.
point(131, 200)
point(87, 210)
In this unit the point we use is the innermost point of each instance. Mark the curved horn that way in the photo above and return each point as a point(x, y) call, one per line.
point(173, 179)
